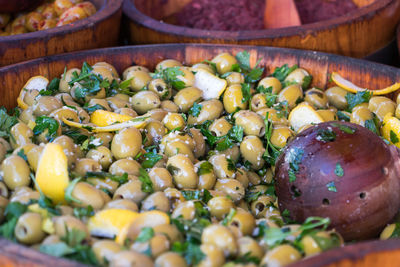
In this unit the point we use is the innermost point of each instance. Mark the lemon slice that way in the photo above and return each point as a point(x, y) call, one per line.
point(37, 83)
point(138, 122)
point(151, 218)
point(211, 85)
point(351, 87)
point(104, 118)
point(391, 129)
point(52, 172)
point(302, 115)
point(110, 222)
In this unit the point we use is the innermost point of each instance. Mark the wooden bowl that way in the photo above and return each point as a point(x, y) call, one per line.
point(99, 30)
point(358, 34)
point(362, 73)
point(7, 6)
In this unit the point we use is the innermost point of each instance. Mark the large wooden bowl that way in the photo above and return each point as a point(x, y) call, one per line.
point(99, 30)
point(363, 73)
point(359, 34)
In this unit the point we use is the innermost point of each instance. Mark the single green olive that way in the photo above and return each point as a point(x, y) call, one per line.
point(186, 97)
point(316, 98)
point(233, 98)
point(337, 97)
point(169, 106)
point(281, 255)
point(272, 82)
point(251, 122)
point(28, 229)
point(232, 187)
point(15, 172)
point(170, 259)
point(220, 206)
point(104, 250)
point(182, 171)
point(252, 150)
point(221, 237)
point(144, 101)
point(126, 143)
point(167, 63)
point(139, 79)
point(156, 201)
point(224, 62)
point(130, 258)
point(132, 191)
point(291, 94)
point(124, 204)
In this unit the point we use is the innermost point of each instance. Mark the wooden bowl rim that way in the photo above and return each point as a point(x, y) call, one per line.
point(354, 251)
point(109, 8)
point(363, 13)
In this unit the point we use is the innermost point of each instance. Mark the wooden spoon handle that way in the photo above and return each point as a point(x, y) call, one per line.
point(280, 13)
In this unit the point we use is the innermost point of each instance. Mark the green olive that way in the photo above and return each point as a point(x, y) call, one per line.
point(337, 97)
point(116, 102)
point(102, 155)
point(157, 201)
point(316, 98)
point(241, 176)
point(174, 121)
point(274, 116)
point(281, 135)
point(65, 223)
point(129, 166)
point(30, 97)
point(45, 105)
point(144, 101)
point(207, 177)
point(291, 94)
point(249, 246)
point(169, 106)
point(186, 210)
point(203, 66)
point(85, 165)
point(258, 102)
point(160, 178)
point(87, 195)
point(252, 123)
point(214, 256)
point(105, 250)
point(261, 205)
point(224, 62)
point(21, 135)
point(231, 187)
point(105, 138)
point(131, 190)
point(167, 63)
point(199, 142)
point(133, 68)
point(124, 204)
point(327, 114)
point(160, 87)
point(233, 98)
point(130, 258)
point(221, 237)
point(244, 220)
point(104, 72)
point(360, 114)
point(178, 147)
point(126, 143)
point(139, 79)
point(220, 127)
point(3, 190)
point(101, 102)
point(272, 82)
point(298, 76)
point(220, 206)
point(381, 105)
point(281, 255)
point(157, 114)
point(182, 171)
point(15, 172)
point(28, 229)
point(169, 230)
point(210, 110)
point(252, 150)
point(127, 111)
point(69, 148)
point(27, 115)
point(221, 166)
point(186, 97)
point(235, 78)
point(170, 259)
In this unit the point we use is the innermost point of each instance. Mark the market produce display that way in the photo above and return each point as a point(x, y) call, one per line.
point(51, 14)
point(173, 166)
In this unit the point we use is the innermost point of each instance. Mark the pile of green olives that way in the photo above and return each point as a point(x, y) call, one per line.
point(207, 164)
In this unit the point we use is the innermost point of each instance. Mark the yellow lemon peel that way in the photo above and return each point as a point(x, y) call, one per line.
point(391, 124)
point(111, 222)
point(138, 122)
point(52, 172)
point(34, 83)
point(351, 87)
point(104, 118)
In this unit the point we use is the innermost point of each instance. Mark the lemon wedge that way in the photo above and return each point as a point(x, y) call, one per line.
point(110, 222)
point(351, 87)
point(391, 129)
point(104, 118)
point(151, 218)
point(303, 114)
point(137, 122)
point(52, 172)
point(211, 85)
point(34, 83)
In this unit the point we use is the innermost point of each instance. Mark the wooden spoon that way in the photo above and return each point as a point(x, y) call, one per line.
point(280, 13)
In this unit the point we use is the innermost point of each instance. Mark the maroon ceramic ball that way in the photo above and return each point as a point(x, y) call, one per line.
point(342, 171)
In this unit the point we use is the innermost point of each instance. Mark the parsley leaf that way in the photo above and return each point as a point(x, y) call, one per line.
point(326, 135)
point(6, 122)
point(170, 75)
point(43, 123)
point(52, 88)
point(331, 186)
point(68, 192)
point(342, 116)
point(246, 92)
point(150, 159)
point(282, 72)
point(339, 170)
point(393, 137)
point(12, 212)
point(120, 179)
point(145, 235)
point(203, 195)
point(205, 167)
point(243, 59)
point(190, 251)
point(81, 212)
point(228, 218)
point(271, 151)
point(195, 109)
point(372, 125)
point(358, 98)
point(295, 156)
point(147, 184)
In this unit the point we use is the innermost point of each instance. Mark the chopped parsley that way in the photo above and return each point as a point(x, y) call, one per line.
point(52, 88)
point(358, 98)
point(145, 235)
point(147, 184)
point(150, 159)
point(246, 92)
point(203, 195)
point(331, 186)
point(344, 128)
point(205, 168)
point(46, 123)
point(294, 157)
point(195, 109)
point(120, 179)
point(326, 135)
point(272, 152)
point(282, 72)
point(12, 212)
point(339, 170)
point(393, 137)
point(6, 122)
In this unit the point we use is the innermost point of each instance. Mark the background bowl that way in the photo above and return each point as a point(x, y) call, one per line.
point(7, 6)
point(320, 65)
point(361, 33)
point(96, 31)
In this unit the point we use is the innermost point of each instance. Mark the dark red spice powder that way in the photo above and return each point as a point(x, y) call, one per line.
point(238, 15)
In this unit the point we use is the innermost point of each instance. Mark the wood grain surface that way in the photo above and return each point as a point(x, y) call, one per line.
point(357, 34)
point(99, 30)
point(320, 65)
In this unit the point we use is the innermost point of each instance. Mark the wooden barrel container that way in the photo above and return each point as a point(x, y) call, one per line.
point(361, 33)
point(320, 65)
point(96, 31)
